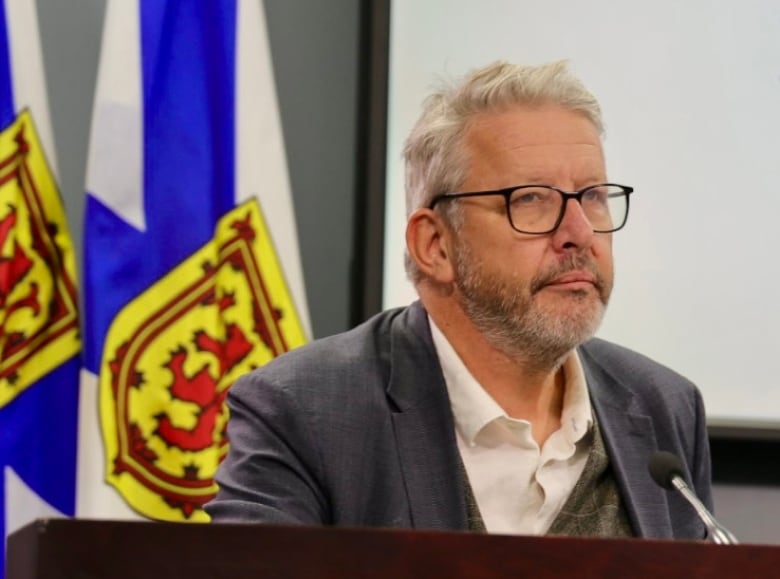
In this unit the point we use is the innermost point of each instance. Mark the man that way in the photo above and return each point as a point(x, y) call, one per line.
point(486, 405)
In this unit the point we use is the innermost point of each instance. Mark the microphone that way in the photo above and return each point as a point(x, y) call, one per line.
point(668, 472)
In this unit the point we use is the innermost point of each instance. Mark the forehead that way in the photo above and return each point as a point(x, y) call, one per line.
point(534, 143)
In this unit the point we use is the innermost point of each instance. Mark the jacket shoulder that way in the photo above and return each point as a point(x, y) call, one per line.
point(334, 366)
point(632, 368)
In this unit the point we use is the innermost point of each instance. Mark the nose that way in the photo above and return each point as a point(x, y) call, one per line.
point(575, 231)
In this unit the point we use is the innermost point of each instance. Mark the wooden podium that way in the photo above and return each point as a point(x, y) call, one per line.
point(91, 549)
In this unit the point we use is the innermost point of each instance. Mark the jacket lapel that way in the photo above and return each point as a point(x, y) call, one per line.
point(630, 440)
point(424, 426)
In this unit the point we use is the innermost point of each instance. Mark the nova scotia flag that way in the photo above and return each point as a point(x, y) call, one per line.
point(192, 274)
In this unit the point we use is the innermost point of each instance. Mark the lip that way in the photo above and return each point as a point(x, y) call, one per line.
point(574, 280)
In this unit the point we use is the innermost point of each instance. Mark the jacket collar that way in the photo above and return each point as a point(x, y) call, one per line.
point(428, 453)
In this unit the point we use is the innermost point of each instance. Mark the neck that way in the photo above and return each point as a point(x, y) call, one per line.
point(524, 389)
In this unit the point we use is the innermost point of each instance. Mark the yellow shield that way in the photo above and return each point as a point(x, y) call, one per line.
point(38, 307)
point(171, 355)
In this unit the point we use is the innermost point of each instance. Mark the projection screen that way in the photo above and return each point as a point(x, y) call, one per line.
point(691, 98)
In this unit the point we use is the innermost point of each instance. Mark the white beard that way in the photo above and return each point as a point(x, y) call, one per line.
point(516, 319)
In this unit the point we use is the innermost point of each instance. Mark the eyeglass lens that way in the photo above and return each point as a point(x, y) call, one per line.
point(537, 209)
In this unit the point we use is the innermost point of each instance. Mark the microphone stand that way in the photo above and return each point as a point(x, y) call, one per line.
point(716, 532)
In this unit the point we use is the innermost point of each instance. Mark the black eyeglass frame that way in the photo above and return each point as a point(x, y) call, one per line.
point(566, 195)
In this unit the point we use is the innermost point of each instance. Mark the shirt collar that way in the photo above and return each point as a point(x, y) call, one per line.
point(473, 408)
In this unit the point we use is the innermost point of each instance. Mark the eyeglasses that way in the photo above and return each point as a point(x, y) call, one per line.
point(539, 209)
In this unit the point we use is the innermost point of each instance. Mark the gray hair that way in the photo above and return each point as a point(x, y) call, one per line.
point(433, 154)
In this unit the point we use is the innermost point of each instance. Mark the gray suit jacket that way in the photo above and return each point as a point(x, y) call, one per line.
point(356, 429)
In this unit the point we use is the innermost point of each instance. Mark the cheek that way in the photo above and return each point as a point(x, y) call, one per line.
point(602, 251)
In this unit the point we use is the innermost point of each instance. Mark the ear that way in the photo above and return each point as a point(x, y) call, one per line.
point(428, 242)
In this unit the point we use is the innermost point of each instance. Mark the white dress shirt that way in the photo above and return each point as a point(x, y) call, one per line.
point(519, 487)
